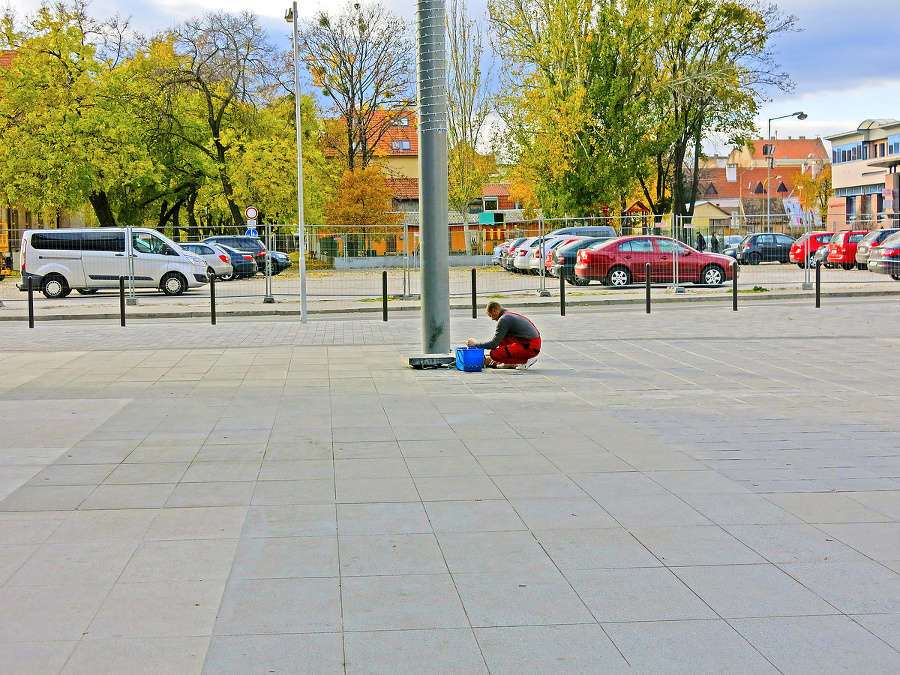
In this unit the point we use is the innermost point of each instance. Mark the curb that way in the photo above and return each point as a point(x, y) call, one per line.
point(511, 302)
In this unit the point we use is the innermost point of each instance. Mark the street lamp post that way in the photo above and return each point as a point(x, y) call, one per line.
point(290, 16)
point(770, 157)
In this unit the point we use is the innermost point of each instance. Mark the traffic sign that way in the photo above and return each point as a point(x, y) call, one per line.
point(251, 232)
point(251, 213)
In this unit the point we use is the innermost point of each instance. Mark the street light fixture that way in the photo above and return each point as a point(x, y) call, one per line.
point(768, 151)
point(290, 15)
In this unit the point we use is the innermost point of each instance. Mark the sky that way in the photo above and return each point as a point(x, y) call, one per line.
point(840, 63)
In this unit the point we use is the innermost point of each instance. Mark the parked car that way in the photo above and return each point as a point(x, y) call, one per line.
point(620, 261)
point(842, 248)
point(243, 264)
point(822, 257)
point(499, 251)
point(218, 260)
point(535, 259)
point(885, 259)
point(728, 245)
point(252, 245)
point(280, 262)
point(564, 258)
point(521, 251)
point(508, 255)
point(764, 247)
point(803, 250)
point(87, 260)
point(587, 231)
point(872, 240)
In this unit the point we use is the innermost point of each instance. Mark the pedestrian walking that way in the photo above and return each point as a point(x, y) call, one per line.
point(714, 243)
point(701, 242)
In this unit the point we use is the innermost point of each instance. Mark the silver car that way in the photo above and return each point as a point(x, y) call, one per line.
point(217, 260)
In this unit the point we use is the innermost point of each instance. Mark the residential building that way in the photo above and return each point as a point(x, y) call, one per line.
point(864, 173)
point(799, 152)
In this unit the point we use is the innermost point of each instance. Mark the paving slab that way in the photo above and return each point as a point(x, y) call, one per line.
point(689, 491)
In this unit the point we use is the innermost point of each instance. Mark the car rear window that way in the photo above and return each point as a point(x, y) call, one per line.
point(823, 238)
point(855, 237)
point(838, 238)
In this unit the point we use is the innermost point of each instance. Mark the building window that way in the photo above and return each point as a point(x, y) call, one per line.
point(490, 203)
point(401, 121)
point(400, 146)
point(894, 144)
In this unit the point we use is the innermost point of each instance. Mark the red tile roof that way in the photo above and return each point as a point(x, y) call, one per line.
point(404, 188)
point(792, 148)
point(750, 184)
point(397, 132)
point(495, 190)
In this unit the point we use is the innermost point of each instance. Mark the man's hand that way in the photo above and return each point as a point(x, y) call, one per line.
point(470, 342)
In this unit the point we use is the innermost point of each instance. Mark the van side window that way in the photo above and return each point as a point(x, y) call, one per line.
point(103, 241)
point(144, 242)
point(56, 241)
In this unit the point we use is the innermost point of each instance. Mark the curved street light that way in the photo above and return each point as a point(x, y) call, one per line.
point(290, 16)
point(770, 156)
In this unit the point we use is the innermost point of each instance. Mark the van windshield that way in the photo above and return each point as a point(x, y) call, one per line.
point(143, 242)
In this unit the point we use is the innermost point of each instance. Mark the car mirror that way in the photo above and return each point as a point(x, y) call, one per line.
point(168, 250)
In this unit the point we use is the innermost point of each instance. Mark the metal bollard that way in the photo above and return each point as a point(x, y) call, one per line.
point(212, 298)
point(818, 286)
point(734, 276)
point(647, 268)
point(384, 294)
point(31, 302)
point(474, 300)
point(122, 300)
point(562, 293)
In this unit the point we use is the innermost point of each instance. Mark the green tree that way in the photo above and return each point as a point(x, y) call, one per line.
point(362, 60)
point(468, 105)
point(68, 135)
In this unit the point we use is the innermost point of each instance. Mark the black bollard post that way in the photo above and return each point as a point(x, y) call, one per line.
point(212, 298)
point(122, 300)
point(647, 269)
point(818, 285)
point(31, 302)
point(384, 294)
point(734, 276)
point(474, 300)
point(562, 293)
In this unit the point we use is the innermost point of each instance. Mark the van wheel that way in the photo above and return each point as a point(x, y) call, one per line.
point(55, 286)
point(87, 291)
point(173, 284)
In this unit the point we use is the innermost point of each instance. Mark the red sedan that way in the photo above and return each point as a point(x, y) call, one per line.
point(621, 261)
point(803, 251)
point(842, 249)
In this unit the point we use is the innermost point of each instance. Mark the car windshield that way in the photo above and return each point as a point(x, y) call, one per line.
point(893, 238)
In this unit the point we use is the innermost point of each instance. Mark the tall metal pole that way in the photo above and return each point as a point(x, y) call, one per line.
point(301, 227)
point(433, 209)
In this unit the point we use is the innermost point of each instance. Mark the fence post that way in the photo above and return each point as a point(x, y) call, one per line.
point(474, 298)
point(818, 286)
point(212, 298)
point(734, 277)
point(647, 270)
point(31, 302)
point(384, 295)
point(562, 293)
point(122, 300)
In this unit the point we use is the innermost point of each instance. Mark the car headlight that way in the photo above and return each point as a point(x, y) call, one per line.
point(197, 262)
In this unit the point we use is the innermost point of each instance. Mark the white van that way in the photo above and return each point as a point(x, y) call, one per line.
point(90, 259)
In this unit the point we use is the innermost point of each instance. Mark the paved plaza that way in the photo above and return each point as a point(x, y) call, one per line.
point(690, 491)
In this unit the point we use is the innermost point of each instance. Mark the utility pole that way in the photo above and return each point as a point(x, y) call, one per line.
point(433, 191)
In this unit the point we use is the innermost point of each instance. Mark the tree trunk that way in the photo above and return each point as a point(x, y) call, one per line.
point(193, 228)
point(100, 202)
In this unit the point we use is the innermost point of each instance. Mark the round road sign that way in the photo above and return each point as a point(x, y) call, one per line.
point(251, 213)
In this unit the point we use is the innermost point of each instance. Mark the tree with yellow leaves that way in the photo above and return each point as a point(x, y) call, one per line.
point(362, 199)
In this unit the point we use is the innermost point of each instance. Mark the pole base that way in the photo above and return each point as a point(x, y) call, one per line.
point(807, 286)
point(543, 294)
point(131, 301)
point(269, 300)
point(432, 361)
point(678, 289)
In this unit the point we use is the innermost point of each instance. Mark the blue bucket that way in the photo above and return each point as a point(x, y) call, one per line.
point(469, 359)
